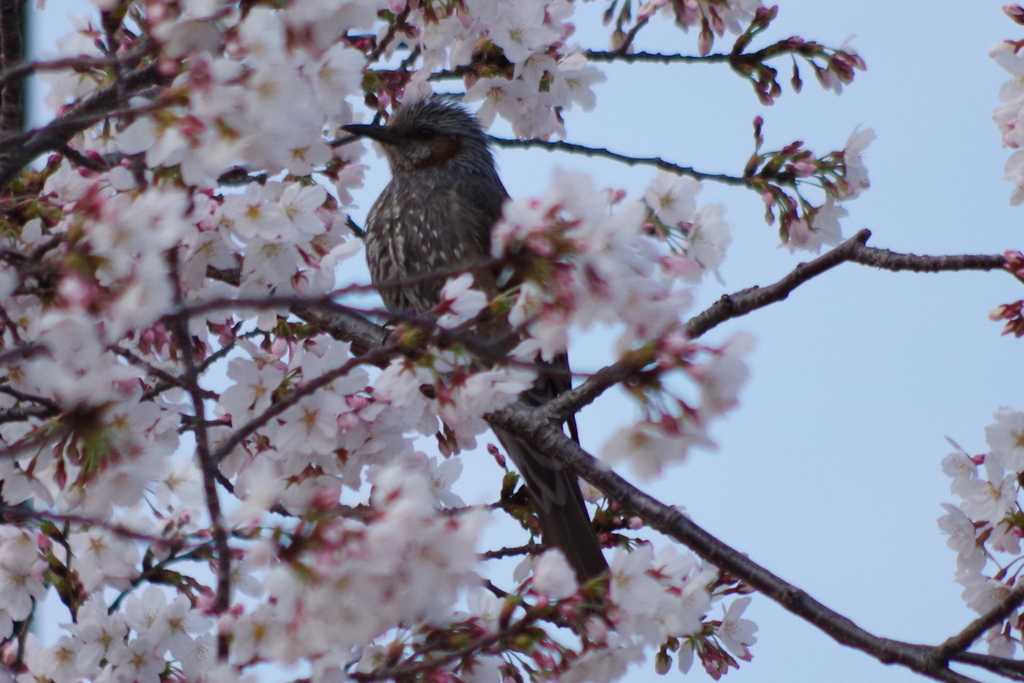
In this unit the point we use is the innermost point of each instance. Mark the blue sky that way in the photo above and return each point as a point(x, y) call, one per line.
point(828, 474)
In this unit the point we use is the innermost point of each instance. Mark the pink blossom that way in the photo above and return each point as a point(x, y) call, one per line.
point(553, 578)
point(735, 633)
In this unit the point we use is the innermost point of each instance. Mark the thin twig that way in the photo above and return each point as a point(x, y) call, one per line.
point(408, 669)
point(19, 71)
point(31, 398)
point(627, 41)
point(389, 36)
point(854, 250)
point(656, 162)
point(745, 301)
point(278, 407)
point(960, 642)
point(1010, 668)
point(168, 378)
point(210, 465)
point(653, 57)
point(18, 513)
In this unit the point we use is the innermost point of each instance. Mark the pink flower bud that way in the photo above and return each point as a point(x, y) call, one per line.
point(1015, 12)
point(704, 42)
point(662, 663)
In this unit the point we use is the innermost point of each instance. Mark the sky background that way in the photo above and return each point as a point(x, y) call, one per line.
point(828, 473)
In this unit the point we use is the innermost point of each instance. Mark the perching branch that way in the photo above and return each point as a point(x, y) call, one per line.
point(551, 440)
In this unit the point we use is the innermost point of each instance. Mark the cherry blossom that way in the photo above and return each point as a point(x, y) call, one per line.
point(737, 633)
point(553, 578)
point(211, 482)
point(1006, 438)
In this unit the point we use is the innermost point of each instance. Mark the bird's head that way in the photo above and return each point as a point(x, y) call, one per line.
point(430, 133)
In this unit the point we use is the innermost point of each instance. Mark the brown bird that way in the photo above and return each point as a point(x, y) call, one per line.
point(435, 216)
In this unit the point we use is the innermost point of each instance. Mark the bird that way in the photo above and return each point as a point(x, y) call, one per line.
point(433, 220)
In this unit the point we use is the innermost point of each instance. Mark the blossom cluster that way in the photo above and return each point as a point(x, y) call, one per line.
point(782, 176)
point(603, 259)
point(540, 73)
point(663, 599)
point(713, 17)
point(1008, 115)
point(597, 263)
point(657, 600)
point(986, 526)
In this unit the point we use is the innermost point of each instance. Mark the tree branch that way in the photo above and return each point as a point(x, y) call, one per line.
point(21, 513)
point(372, 357)
point(22, 414)
point(963, 640)
point(1010, 668)
point(24, 69)
point(58, 132)
point(653, 57)
point(539, 426)
point(627, 41)
point(548, 438)
point(12, 105)
point(854, 250)
point(210, 466)
point(656, 162)
point(20, 352)
point(745, 301)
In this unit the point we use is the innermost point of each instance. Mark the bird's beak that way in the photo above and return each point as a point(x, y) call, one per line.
point(378, 133)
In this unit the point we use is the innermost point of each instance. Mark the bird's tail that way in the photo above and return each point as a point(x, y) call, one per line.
point(557, 498)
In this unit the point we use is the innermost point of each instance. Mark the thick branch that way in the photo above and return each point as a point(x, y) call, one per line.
point(59, 131)
point(551, 440)
point(344, 323)
point(12, 109)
